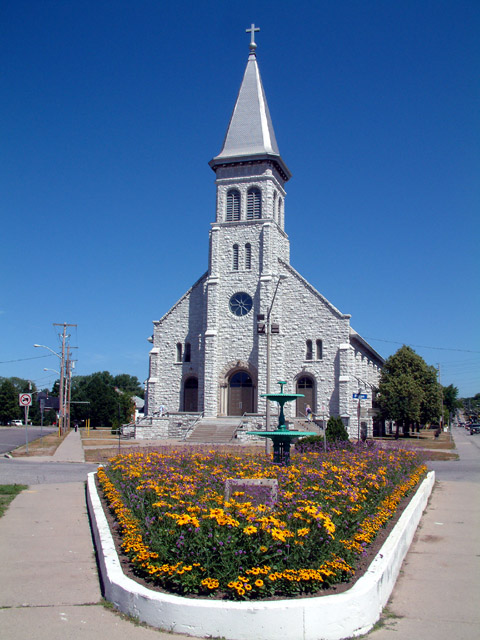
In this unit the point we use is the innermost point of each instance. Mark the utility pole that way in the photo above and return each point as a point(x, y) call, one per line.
point(441, 390)
point(63, 391)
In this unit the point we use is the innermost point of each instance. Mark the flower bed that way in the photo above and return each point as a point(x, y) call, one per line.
point(181, 534)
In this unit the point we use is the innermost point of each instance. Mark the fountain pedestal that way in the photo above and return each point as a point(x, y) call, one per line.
point(282, 436)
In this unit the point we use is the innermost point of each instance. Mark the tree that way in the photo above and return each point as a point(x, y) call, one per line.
point(408, 391)
point(129, 384)
point(450, 399)
point(9, 408)
point(101, 398)
point(335, 430)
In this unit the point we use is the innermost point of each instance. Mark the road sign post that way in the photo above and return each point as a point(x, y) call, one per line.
point(25, 400)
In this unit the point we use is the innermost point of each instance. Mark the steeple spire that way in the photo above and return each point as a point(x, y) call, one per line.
point(250, 134)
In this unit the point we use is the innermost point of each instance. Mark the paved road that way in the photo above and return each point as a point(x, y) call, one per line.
point(13, 437)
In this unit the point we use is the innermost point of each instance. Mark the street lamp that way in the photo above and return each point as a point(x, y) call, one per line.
point(60, 393)
point(269, 333)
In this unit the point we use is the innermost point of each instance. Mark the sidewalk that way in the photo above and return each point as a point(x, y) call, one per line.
point(437, 594)
point(49, 586)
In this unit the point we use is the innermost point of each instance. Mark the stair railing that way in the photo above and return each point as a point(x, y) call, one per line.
point(192, 426)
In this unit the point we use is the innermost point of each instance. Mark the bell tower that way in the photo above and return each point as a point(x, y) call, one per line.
point(247, 238)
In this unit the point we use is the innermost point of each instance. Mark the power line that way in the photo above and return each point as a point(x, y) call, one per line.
point(23, 359)
point(422, 346)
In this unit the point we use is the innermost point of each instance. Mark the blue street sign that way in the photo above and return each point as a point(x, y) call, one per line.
point(362, 396)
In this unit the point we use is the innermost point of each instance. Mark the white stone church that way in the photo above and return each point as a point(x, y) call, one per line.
point(252, 319)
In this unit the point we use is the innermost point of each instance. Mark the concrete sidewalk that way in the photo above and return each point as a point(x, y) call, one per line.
point(49, 586)
point(437, 594)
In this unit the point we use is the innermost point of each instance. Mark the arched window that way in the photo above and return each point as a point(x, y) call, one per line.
point(233, 205)
point(235, 257)
point(319, 349)
point(188, 354)
point(275, 206)
point(248, 256)
point(179, 351)
point(279, 211)
point(254, 204)
point(309, 351)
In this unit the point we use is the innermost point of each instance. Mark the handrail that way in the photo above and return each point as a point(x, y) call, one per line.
point(192, 426)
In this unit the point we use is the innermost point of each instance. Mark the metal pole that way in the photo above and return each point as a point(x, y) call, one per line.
point(269, 333)
point(267, 408)
point(26, 428)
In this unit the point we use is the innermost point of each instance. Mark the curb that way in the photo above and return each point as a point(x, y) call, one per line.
point(333, 617)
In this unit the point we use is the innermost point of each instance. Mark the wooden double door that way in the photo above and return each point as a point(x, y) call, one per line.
point(240, 394)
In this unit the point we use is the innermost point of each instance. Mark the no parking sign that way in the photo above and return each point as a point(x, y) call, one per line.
point(25, 399)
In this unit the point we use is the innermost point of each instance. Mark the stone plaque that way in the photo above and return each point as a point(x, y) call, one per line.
point(255, 490)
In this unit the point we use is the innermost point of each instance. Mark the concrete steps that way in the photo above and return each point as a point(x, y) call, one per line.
point(215, 430)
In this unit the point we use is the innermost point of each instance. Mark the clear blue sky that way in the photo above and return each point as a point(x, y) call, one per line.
point(111, 110)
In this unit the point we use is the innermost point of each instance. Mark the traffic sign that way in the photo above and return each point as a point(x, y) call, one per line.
point(362, 396)
point(25, 399)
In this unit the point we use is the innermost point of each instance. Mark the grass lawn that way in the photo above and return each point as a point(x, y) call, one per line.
point(7, 493)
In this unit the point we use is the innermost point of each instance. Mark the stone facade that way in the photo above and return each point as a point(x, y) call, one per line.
point(209, 351)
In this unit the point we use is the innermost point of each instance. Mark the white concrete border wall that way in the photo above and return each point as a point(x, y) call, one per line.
point(333, 617)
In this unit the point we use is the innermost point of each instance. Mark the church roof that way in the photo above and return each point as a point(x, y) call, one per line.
point(250, 135)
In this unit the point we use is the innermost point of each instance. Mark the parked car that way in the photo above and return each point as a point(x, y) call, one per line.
point(16, 423)
point(474, 428)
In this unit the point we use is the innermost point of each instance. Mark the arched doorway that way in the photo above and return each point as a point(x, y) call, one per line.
point(190, 394)
point(240, 394)
point(305, 386)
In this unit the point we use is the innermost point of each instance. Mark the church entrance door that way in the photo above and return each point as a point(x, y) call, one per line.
point(305, 386)
point(190, 395)
point(240, 394)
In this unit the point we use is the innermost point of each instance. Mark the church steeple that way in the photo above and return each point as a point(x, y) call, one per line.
point(250, 135)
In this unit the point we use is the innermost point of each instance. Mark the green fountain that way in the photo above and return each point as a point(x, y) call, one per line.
point(282, 436)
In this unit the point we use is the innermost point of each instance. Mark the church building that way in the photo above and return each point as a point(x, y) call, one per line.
point(252, 319)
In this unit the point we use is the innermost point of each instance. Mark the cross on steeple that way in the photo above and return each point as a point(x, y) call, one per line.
point(253, 44)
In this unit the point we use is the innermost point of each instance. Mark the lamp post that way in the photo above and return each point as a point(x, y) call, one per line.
point(269, 344)
point(60, 392)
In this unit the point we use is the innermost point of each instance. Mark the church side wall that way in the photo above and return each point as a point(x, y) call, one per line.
point(304, 316)
point(183, 324)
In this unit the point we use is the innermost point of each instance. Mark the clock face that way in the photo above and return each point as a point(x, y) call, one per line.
point(240, 304)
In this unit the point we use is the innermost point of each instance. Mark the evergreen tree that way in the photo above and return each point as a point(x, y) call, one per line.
point(336, 430)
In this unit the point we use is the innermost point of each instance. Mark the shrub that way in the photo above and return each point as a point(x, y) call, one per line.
point(336, 430)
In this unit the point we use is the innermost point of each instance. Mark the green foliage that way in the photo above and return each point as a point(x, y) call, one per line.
point(336, 431)
point(9, 409)
point(129, 384)
point(108, 404)
point(409, 392)
point(471, 406)
point(450, 399)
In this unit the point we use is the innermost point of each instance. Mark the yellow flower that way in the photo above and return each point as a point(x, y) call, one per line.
point(250, 530)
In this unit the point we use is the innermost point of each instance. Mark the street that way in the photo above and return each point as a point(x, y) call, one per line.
point(13, 437)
